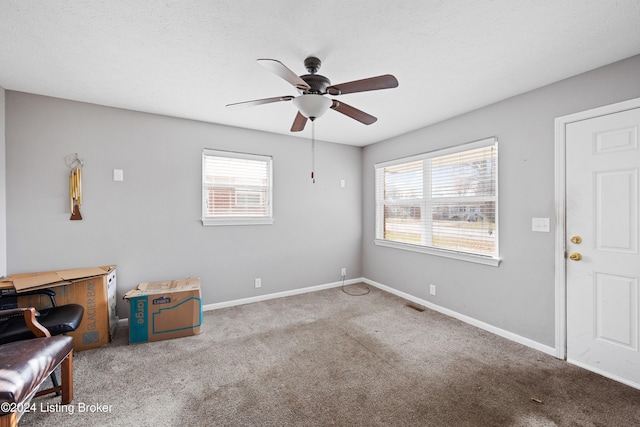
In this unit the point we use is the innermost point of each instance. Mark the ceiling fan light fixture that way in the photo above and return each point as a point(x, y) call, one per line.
point(312, 106)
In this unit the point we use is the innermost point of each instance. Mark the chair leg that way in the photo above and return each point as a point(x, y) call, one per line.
point(54, 381)
point(67, 379)
point(9, 420)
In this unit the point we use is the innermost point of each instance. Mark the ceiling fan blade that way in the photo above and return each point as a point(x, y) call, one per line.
point(281, 70)
point(386, 81)
point(298, 123)
point(352, 112)
point(260, 101)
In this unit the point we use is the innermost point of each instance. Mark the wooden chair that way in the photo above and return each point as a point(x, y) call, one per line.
point(26, 364)
point(56, 319)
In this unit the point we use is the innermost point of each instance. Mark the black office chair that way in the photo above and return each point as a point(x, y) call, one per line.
point(58, 320)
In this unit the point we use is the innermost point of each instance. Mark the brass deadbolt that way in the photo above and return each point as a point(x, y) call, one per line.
point(576, 239)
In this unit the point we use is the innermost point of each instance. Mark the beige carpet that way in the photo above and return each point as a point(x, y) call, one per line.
point(327, 358)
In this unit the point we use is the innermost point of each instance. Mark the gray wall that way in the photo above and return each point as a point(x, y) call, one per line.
point(517, 296)
point(149, 225)
point(3, 198)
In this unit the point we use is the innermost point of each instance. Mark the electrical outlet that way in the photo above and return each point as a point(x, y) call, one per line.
point(258, 283)
point(432, 289)
point(343, 272)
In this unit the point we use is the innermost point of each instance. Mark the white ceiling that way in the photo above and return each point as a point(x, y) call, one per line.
point(189, 58)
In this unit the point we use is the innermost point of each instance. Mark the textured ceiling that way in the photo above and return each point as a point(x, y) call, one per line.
point(190, 58)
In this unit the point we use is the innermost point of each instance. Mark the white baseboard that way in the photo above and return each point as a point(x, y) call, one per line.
point(604, 373)
point(470, 320)
point(266, 297)
point(232, 303)
point(474, 322)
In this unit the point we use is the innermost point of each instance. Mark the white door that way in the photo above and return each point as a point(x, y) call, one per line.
point(603, 268)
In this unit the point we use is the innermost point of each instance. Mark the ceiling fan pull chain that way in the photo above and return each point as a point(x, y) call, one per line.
point(313, 151)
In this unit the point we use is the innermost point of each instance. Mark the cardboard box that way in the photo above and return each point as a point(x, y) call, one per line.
point(164, 310)
point(93, 288)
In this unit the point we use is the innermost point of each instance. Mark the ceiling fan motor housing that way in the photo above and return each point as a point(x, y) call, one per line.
point(318, 84)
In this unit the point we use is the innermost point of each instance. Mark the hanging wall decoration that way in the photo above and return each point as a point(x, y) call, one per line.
point(75, 186)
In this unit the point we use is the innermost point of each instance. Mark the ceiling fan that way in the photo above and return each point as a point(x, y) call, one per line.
point(312, 103)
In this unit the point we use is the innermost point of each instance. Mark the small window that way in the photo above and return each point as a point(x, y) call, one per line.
point(443, 203)
point(236, 188)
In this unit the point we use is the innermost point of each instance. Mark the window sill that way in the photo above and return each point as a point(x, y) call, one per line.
point(478, 259)
point(237, 221)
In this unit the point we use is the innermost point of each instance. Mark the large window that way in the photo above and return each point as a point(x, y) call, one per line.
point(444, 202)
point(236, 188)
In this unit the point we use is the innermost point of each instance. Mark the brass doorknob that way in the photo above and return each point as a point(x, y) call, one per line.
point(575, 256)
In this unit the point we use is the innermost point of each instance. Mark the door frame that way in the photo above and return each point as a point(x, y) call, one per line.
point(560, 212)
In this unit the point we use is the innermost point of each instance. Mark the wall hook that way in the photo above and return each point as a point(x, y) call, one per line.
point(74, 161)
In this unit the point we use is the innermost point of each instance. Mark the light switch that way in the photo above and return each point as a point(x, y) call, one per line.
point(118, 175)
point(540, 224)
point(342, 183)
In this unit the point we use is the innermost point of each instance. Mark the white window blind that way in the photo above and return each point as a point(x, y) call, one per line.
point(236, 188)
point(444, 202)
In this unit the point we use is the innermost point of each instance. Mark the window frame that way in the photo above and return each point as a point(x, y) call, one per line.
point(492, 260)
point(208, 220)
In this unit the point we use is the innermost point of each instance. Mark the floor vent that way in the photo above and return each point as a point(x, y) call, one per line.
point(416, 307)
